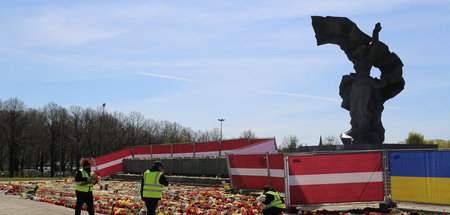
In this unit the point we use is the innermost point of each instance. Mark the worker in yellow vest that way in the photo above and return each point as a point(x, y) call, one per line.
point(85, 181)
point(151, 187)
point(273, 201)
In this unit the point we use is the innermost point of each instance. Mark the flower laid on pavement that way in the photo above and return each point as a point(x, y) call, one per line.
point(124, 197)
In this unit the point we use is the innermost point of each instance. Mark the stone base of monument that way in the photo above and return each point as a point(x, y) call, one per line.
point(367, 147)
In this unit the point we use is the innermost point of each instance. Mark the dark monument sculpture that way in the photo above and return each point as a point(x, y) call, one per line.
point(362, 95)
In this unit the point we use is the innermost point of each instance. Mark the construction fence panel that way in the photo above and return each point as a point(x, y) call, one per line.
point(141, 151)
point(207, 149)
point(180, 166)
point(182, 150)
point(256, 171)
point(420, 176)
point(111, 163)
point(335, 178)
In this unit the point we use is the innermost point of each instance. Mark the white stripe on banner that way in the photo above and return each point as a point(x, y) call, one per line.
point(189, 154)
point(161, 155)
point(142, 156)
point(340, 178)
point(111, 163)
point(257, 172)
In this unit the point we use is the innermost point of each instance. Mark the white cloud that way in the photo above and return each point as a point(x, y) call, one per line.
point(63, 28)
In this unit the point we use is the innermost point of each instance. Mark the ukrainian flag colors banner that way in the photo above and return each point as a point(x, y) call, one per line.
point(422, 176)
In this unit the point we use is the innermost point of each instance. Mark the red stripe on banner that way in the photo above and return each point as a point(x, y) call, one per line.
point(113, 156)
point(248, 161)
point(183, 148)
point(276, 161)
point(110, 170)
point(277, 183)
point(141, 150)
point(230, 145)
point(161, 149)
point(207, 147)
point(257, 182)
point(249, 182)
point(336, 193)
point(337, 163)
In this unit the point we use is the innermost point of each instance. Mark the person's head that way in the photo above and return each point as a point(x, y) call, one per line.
point(86, 164)
point(158, 165)
point(266, 189)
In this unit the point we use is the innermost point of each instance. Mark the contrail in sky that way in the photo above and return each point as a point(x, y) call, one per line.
point(173, 78)
point(256, 90)
point(263, 91)
point(301, 95)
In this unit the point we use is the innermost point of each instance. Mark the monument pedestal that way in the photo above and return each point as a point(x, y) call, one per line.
point(366, 147)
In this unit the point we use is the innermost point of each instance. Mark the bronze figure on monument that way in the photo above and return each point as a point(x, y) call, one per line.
point(362, 95)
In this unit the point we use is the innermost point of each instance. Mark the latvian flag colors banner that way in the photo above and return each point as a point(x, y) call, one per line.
point(252, 172)
point(317, 179)
point(422, 176)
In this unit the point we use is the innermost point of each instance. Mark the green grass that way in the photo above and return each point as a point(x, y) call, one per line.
point(30, 179)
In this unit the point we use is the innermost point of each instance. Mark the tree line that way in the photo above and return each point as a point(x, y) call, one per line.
point(34, 138)
point(418, 138)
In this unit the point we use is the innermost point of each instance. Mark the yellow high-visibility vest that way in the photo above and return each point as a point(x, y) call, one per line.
point(276, 202)
point(82, 185)
point(152, 187)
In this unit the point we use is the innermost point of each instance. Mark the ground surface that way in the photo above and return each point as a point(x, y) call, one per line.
point(57, 197)
point(13, 205)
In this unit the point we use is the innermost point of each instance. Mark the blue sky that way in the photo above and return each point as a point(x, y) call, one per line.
point(254, 63)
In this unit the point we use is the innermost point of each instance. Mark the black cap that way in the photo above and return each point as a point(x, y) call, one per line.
point(86, 162)
point(266, 188)
point(158, 164)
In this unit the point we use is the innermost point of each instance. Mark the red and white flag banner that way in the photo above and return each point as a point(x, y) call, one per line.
point(252, 172)
point(318, 179)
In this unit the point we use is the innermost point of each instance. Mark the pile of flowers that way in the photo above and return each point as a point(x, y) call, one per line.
point(118, 197)
point(123, 198)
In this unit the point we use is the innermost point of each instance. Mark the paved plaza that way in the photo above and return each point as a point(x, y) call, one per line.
point(13, 205)
point(10, 204)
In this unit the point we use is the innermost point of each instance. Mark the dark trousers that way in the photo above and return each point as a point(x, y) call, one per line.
point(272, 211)
point(84, 197)
point(151, 204)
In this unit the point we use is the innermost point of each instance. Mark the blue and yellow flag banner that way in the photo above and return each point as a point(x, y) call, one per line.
point(422, 177)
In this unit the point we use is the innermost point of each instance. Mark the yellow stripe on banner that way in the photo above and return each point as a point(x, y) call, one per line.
point(420, 189)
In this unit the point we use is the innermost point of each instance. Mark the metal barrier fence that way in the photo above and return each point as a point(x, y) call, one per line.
point(420, 176)
point(111, 163)
point(181, 166)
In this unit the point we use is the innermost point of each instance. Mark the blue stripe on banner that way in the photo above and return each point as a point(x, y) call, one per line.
point(434, 164)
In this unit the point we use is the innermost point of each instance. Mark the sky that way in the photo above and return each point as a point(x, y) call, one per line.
point(255, 64)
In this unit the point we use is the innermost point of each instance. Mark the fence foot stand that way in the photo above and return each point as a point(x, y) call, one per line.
point(388, 204)
point(292, 210)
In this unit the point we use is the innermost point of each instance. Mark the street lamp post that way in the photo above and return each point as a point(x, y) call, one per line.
point(101, 130)
point(61, 162)
point(220, 140)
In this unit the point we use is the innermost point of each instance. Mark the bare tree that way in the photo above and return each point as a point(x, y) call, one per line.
point(135, 126)
point(248, 134)
point(13, 122)
point(290, 144)
point(115, 131)
point(88, 146)
point(331, 140)
point(55, 119)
